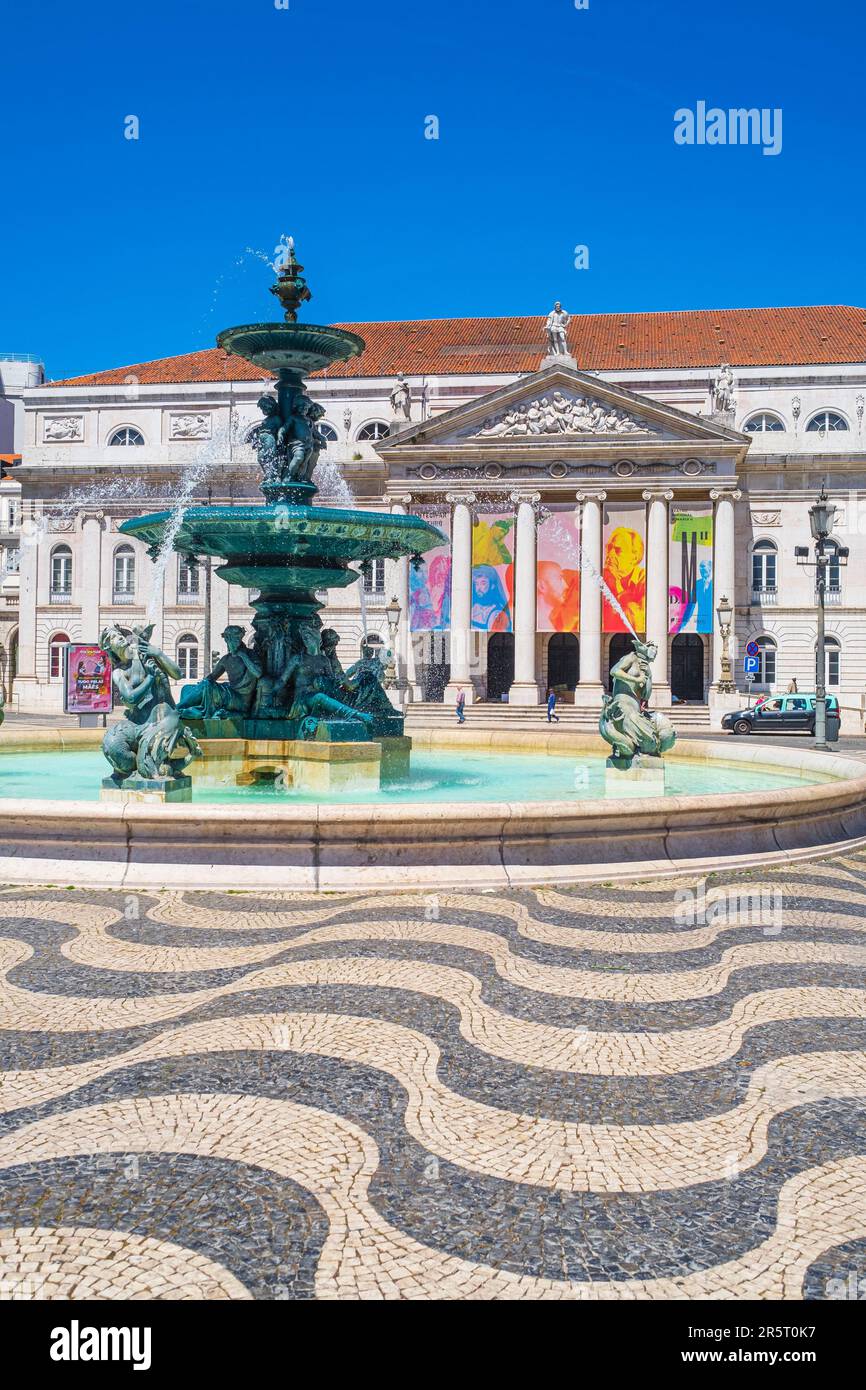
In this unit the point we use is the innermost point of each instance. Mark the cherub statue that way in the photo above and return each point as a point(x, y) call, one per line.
point(627, 723)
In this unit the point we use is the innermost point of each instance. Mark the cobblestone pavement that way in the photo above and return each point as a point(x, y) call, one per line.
point(624, 1091)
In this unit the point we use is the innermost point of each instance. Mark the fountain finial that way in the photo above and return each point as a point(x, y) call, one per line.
point(291, 287)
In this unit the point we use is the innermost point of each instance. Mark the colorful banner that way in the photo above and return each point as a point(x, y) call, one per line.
point(625, 566)
point(493, 572)
point(87, 680)
point(558, 571)
point(690, 569)
point(430, 586)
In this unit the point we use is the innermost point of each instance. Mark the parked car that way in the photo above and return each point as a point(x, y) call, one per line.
point(783, 714)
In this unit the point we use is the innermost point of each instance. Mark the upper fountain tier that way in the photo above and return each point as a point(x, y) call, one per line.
point(291, 347)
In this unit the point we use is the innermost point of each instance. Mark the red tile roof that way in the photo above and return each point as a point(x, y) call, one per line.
point(601, 342)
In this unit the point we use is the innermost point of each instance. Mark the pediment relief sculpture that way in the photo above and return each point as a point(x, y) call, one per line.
point(557, 414)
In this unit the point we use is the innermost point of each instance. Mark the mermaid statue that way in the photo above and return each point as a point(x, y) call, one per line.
point(150, 743)
point(633, 731)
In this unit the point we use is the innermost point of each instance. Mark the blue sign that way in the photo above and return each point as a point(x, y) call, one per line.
point(753, 649)
point(751, 665)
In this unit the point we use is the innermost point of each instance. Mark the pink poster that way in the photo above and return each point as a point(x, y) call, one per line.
point(87, 680)
point(558, 571)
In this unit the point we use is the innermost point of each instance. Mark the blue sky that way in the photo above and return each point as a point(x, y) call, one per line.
point(556, 130)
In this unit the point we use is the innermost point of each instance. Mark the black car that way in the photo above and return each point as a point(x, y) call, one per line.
point(783, 714)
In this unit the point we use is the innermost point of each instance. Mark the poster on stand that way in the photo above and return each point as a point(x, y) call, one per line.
point(86, 679)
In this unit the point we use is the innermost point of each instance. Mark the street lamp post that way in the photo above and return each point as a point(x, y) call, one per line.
point(725, 614)
point(822, 515)
point(392, 613)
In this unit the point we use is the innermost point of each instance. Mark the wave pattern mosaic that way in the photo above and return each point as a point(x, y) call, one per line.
point(622, 1092)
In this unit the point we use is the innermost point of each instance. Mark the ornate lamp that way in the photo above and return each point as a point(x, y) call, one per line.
point(822, 514)
point(725, 614)
point(392, 613)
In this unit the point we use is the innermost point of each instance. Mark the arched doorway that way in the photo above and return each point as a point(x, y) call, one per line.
point(687, 666)
point(620, 645)
point(500, 664)
point(563, 661)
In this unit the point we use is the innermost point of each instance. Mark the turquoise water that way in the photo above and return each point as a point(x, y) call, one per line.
point(440, 776)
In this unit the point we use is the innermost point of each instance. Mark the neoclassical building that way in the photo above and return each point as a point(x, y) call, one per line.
point(641, 462)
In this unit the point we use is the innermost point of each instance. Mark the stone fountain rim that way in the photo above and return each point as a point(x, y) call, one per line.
point(357, 847)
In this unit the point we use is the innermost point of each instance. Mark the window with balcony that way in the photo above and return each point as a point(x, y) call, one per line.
point(61, 575)
point(188, 581)
point(764, 566)
point(374, 577)
point(124, 575)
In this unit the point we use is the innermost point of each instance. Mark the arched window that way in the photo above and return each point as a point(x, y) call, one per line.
point(327, 431)
point(61, 575)
point(126, 435)
point(832, 654)
point(187, 580)
point(826, 420)
point(764, 557)
point(374, 430)
point(124, 575)
point(374, 577)
point(187, 656)
point(56, 648)
point(766, 674)
point(763, 422)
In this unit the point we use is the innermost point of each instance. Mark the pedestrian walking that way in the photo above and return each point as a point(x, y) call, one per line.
point(461, 705)
point(552, 716)
point(792, 686)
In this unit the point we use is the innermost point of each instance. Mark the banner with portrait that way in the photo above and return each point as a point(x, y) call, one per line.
point(690, 569)
point(430, 585)
point(624, 567)
point(558, 570)
point(493, 572)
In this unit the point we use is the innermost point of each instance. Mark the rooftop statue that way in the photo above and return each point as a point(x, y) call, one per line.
point(627, 723)
point(557, 331)
point(150, 741)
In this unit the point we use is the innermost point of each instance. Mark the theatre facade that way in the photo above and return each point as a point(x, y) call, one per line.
point(654, 475)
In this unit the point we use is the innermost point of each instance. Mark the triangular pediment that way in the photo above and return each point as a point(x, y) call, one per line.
point(564, 405)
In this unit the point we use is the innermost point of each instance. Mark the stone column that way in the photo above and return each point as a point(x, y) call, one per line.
point(524, 688)
point(461, 595)
point(220, 599)
point(93, 524)
point(589, 687)
point(657, 620)
point(724, 569)
point(407, 683)
point(32, 540)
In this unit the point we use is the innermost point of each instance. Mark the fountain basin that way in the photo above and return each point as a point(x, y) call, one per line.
point(375, 843)
point(280, 532)
point(297, 347)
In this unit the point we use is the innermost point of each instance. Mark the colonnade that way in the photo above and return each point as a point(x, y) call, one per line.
point(526, 689)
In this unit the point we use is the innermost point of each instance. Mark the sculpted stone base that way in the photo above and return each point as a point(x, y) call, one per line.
point(154, 789)
point(645, 777)
point(304, 765)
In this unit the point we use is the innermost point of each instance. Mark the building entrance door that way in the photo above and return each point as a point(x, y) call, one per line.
point(563, 661)
point(500, 664)
point(687, 667)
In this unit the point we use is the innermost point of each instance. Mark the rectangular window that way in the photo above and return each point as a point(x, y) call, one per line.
point(374, 579)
